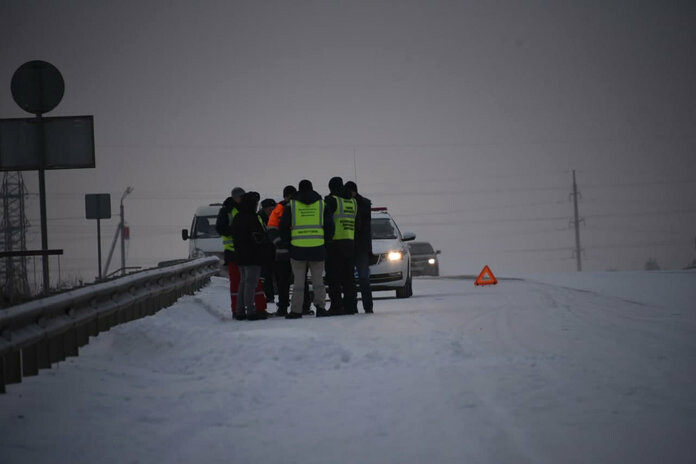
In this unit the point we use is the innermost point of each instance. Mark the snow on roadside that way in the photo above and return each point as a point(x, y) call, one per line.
point(664, 289)
point(520, 372)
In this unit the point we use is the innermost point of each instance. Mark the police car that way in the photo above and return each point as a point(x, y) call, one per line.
point(390, 265)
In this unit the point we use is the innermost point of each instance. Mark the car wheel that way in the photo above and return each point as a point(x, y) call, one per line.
point(405, 291)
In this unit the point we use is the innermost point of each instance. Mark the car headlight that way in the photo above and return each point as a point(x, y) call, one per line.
point(395, 255)
point(431, 261)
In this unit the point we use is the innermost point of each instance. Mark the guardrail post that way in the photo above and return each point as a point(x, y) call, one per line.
point(43, 359)
point(56, 349)
point(30, 361)
point(82, 334)
point(2, 374)
point(70, 341)
point(13, 367)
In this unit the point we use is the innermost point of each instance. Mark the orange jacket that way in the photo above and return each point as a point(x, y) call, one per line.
point(276, 214)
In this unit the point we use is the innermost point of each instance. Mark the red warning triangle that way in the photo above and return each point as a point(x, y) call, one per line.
point(486, 277)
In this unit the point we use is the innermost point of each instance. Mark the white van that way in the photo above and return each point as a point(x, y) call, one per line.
point(203, 238)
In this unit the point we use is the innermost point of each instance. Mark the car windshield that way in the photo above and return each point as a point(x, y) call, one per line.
point(421, 248)
point(205, 227)
point(383, 228)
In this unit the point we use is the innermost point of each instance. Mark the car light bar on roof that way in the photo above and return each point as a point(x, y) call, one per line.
point(380, 208)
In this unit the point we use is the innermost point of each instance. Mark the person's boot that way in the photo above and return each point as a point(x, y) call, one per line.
point(321, 312)
point(282, 312)
point(335, 311)
point(239, 316)
point(350, 310)
point(257, 316)
point(293, 315)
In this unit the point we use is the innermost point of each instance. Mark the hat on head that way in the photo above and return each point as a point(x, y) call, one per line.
point(267, 202)
point(335, 184)
point(289, 191)
point(305, 186)
point(351, 187)
point(237, 192)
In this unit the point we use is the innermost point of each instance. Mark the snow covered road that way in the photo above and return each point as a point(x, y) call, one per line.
point(522, 372)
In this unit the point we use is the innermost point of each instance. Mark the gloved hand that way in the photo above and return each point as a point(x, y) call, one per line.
point(259, 237)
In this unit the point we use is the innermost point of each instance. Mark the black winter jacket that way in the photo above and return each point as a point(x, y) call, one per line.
point(306, 253)
point(250, 240)
point(363, 226)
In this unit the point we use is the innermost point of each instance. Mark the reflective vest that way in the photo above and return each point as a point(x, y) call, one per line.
point(307, 224)
point(227, 241)
point(344, 218)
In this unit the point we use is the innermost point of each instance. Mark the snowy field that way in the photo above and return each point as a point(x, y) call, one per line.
point(590, 368)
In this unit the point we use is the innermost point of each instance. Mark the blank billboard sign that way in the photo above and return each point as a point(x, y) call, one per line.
point(98, 206)
point(29, 144)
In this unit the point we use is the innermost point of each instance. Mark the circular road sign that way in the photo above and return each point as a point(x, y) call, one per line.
point(37, 87)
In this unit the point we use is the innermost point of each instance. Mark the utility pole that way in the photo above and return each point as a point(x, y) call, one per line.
point(576, 222)
point(13, 237)
point(122, 229)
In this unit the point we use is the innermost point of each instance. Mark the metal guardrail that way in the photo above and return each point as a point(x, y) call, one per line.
point(36, 334)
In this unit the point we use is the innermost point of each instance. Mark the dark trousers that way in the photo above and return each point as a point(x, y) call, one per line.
point(283, 273)
point(362, 264)
point(340, 266)
point(267, 273)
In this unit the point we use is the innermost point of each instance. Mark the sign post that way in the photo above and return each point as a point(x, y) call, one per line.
point(39, 144)
point(98, 206)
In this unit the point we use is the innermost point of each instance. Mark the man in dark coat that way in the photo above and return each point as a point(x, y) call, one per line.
point(340, 260)
point(251, 247)
point(306, 200)
point(363, 244)
point(267, 274)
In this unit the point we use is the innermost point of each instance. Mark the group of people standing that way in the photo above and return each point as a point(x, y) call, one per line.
point(267, 248)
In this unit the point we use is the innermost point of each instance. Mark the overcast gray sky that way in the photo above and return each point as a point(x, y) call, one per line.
point(466, 118)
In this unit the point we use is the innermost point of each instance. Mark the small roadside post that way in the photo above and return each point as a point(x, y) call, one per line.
point(98, 206)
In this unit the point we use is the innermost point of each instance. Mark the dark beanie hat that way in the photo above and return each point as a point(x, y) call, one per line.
point(256, 195)
point(289, 190)
point(305, 186)
point(351, 187)
point(268, 202)
point(335, 184)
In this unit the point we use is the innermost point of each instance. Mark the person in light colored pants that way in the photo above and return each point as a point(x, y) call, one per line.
point(247, 290)
point(316, 270)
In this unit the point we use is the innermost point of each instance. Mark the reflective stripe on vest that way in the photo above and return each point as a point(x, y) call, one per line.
point(307, 224)
point(227, 241)
point(344, 218)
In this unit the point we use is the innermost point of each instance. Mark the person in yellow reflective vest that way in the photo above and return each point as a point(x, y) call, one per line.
point(223, 226)
point(306, 225)
point(340, 253)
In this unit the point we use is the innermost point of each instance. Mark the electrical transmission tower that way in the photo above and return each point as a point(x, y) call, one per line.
point(13, 237)
point(576, 223)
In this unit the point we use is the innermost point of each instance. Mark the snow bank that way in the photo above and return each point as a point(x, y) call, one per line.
point(664, 289)
point(521, 372)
